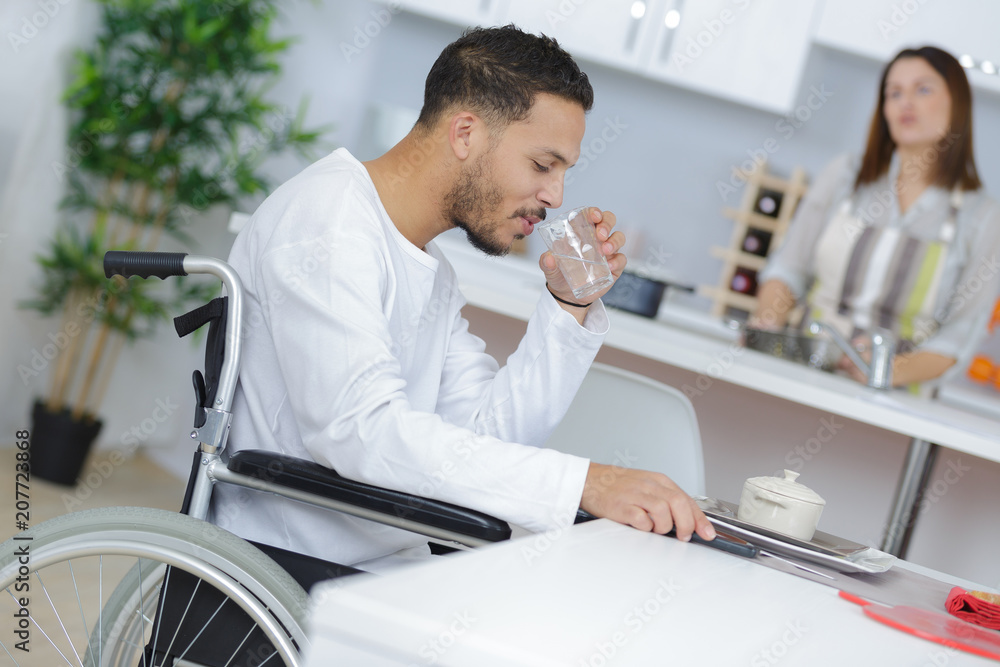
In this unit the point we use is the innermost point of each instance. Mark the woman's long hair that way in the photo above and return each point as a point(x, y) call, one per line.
point(952, 160)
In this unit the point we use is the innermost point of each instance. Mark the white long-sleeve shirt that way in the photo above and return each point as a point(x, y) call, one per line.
point(356, 356)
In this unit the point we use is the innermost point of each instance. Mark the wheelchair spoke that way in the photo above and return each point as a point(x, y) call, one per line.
point(207, 623)
point(237, 651)
point(41, 629)
point(62, 625)
point(268, 659)
point(142, 617)
point(163, 598)
point(100, 614)
point(4, 647)
point(183, 616)
point(79, 604)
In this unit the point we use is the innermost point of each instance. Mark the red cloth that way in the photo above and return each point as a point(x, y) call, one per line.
point(973, 608)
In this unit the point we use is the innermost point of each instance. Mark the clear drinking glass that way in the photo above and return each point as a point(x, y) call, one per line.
point(572, 238)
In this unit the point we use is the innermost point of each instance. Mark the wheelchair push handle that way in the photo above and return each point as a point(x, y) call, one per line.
point(144, 264)
point(166, 264)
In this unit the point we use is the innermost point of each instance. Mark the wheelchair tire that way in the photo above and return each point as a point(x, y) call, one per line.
point(94, 550)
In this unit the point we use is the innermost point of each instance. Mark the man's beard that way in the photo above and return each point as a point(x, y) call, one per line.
point(474, 197)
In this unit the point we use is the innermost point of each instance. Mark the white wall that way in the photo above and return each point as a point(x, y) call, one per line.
point(660, 175)
point(32, 137)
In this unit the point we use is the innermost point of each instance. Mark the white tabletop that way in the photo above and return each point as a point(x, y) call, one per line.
point(694, 342)
point(602, 594)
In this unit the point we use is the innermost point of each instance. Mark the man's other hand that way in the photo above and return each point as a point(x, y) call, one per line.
point(645, 500)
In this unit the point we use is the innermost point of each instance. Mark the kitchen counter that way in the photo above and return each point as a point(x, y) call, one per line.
point(697, 342)
point(964, 419)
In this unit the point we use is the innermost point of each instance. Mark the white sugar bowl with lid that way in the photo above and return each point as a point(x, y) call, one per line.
point(782, 505)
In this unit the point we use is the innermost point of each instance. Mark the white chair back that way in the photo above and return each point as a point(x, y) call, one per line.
point(622, 418)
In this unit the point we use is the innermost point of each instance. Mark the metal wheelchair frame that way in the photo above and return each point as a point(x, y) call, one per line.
point(184, 543)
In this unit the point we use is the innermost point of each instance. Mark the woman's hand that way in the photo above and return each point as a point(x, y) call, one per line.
point(774, 302)
point(908, 368)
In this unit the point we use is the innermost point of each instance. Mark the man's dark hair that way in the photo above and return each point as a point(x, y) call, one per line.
point(497, 73)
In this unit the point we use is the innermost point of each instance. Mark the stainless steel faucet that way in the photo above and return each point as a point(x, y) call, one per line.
point(879, 370)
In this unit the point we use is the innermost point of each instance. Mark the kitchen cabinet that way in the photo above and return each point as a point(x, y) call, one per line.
point(747, 52)
point(610, 32)
point(879, 29)
point(462, 12)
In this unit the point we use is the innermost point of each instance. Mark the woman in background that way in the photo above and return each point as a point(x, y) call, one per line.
point(905, 240)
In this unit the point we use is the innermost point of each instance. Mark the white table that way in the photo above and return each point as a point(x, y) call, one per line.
point(695, 342)
point(602, 594)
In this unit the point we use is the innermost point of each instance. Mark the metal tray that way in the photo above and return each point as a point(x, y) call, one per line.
point(824, 549)
point(823, 542)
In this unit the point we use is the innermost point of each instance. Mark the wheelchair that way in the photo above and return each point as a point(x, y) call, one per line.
point(153, 588)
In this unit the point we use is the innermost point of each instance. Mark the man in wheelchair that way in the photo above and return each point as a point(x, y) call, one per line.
point(355, 351)
point(342, 326)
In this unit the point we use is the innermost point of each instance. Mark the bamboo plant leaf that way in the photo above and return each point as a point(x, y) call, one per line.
point(169, 116)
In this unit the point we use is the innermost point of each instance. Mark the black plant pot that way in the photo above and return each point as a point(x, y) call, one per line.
point(60, 443)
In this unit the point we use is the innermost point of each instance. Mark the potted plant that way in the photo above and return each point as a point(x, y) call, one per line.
point(169, 118)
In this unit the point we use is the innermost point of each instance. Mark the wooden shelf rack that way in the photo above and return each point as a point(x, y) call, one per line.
point(727, 302)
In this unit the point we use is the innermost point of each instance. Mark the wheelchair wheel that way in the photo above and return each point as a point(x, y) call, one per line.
point(85, 589)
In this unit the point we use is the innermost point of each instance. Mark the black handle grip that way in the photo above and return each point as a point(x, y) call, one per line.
point(729, 544)
point(144, 264)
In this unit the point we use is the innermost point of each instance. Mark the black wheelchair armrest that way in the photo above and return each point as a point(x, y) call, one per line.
point(311, 477)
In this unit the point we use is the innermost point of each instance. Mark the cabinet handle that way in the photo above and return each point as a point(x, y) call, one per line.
point(638, 11)
point(672, 20)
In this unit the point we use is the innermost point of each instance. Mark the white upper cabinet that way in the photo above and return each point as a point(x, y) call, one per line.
point(747, 51)
point(879, 29)
point(611, 32)
point(462, 12)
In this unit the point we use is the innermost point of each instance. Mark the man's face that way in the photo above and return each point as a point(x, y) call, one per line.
point(505, 191)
